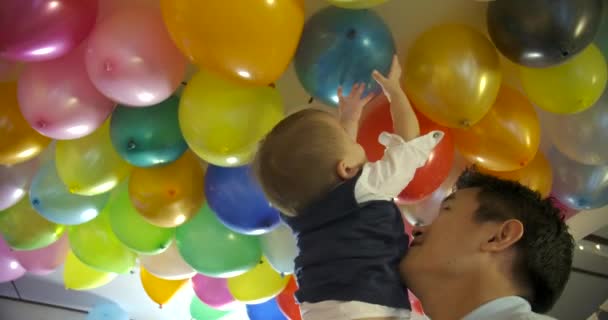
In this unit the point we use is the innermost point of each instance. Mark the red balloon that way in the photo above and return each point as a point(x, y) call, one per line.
point(287, 301)
point(415, 303)
point(377, 118)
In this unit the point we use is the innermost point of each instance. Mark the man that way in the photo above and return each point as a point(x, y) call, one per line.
point(496, 251)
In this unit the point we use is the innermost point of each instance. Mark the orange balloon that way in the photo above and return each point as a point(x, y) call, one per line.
point(18, 141)
point(507, 138)
point(251, 41)
point(537, 175)
point(170, 195)
point(160, 290)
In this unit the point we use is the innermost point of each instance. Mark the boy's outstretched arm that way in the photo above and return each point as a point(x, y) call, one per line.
point(350, 107)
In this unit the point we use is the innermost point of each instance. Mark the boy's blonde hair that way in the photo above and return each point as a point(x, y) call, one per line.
point(296, 162)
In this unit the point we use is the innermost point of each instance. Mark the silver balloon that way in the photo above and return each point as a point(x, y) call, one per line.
point(579, 186)
point(15, 181)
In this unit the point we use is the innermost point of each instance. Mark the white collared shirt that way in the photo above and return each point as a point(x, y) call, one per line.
point(506, 308)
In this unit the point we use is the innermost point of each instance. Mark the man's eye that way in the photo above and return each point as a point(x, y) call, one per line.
point(446, 208)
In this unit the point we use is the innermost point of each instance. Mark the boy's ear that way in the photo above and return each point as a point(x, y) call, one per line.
point(344, 171)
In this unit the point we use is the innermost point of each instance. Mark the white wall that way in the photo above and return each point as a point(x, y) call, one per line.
point(17, 310)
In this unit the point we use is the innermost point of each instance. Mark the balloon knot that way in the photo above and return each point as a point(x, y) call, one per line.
point(41, 124)
point(131, 145)
point(351, 34)
point(35, 202)
point(171, 192)
point(160, 306)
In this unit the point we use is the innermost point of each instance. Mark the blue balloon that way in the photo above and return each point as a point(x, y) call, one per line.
point(579, 186)
point(341, 47)
point(268, 310)
point(238, 200)
point(52, 199)
point(107, 311)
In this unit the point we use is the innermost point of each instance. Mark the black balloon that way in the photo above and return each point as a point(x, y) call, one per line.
point(542, 33)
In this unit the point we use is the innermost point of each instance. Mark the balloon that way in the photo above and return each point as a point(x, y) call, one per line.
point(287, 301)
point(159, 142)
point(569, 87)
point(578, 186)
point(24, 229)
point(565, 211)
point(79, 276)
point(170, 195)
point(356, 4)
point(536, 175)
point(542, 33)
point(258, 284)
point(201, 311)
point(19, 141)
point(160, 290)
point(280, 248)
point(107, 311)
point(96, 246)
point(131, 59)
point(268, 310)
point(452, 75)
point(601, 38)
point(15, 181)
point(89, 166)
point(169, 264)
point(132, 229)
point(238, 200)
point(9, 70)
point(377, 119)
point(580, 136)
point(52, 199)
point(214, 250)
point(212, 291)
point(222, 121)
point(342, 47)
point(35, 30)
point(58, 100)
point(46, 260)
point(507, 137)
point(10, 269)
point(247, 41)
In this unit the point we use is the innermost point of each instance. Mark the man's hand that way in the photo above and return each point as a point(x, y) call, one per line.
point(390, 84)
point(351, 106)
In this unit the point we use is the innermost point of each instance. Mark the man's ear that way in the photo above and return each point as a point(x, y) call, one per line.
point(344, 171)
point(506, 235)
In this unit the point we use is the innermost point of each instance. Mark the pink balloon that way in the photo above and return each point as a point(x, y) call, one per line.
point(36, 30)
point(132, 60)
point(46, 260)
point(15, 182)
point(212, 291)
point(10, 269)
point(566, 211)
point(58, 100)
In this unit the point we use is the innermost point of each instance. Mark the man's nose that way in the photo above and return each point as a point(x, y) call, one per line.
point(418, 230)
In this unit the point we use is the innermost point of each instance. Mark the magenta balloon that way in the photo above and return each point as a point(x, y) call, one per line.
point(212, 291)
point(10, 269)
point(58, 100)
point(46, 260)
point(132, 60)
point(15, 182)
point(36, 30)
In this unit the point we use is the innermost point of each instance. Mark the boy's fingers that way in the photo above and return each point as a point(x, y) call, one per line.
point(340, 92)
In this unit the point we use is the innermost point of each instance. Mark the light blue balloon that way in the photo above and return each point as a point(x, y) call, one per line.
point(280, 248)
point(107, 311)
point(52, 199)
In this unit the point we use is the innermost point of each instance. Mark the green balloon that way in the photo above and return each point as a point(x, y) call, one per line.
point(201, 311)
point(95, 245)
point(24, 229)
point(131, 228)
point(214, 250)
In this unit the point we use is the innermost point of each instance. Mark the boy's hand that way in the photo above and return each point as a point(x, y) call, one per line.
point(390, 85)
point(350, 107)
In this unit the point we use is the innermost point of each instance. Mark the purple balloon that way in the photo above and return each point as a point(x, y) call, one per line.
point(46, 260)
point(36, 30)
point(10, 269)
point(212, 291)
point(15, 182)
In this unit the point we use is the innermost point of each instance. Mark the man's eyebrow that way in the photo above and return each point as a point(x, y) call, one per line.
point(448, 198)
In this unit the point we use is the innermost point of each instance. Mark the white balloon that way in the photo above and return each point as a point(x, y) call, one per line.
point(167, 265)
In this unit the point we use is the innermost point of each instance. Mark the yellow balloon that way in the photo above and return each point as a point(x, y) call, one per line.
point(507, 138)
point(170, 195)
point(258, 284)
point(569, 87)
point(160, 290)
point(452, 74)
point(356, 4)
point(222, 122)
point(250, 41)
point(90, 165)
point(78, 276)
point(18, 141)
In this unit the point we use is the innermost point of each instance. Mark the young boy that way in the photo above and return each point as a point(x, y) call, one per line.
point(350, 233)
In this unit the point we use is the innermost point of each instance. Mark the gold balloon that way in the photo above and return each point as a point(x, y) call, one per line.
point(79, 276)
point(18, 141)
point(160, 290)
point(170, 195)
point(537, 175)
point(244, 40)
point(507, 138)
point(452, 75)
point(258, 284)
point(570, 87)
